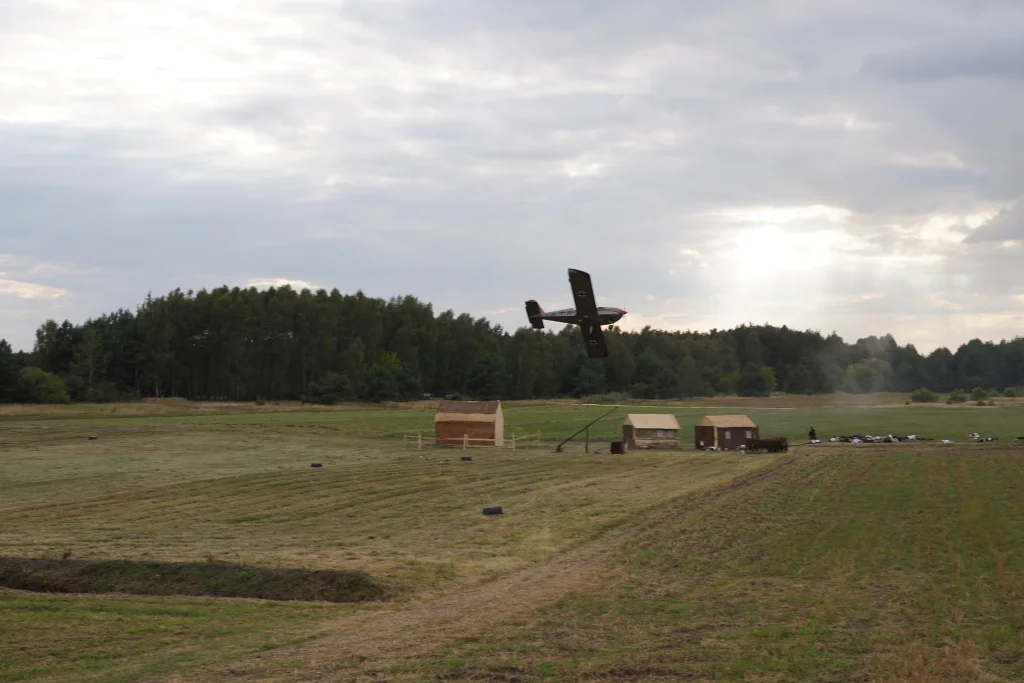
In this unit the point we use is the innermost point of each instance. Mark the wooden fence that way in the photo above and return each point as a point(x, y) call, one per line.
point(418, 440)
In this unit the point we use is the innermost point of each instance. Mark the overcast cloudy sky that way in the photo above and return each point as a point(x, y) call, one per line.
point(844, 165)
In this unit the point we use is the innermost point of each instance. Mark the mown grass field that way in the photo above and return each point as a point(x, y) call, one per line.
point(842, 566)
point(844, 560)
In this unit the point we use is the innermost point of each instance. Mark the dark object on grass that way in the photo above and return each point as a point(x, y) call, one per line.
point(92, 438)
point(467, 458)
point(771, 445)
point(496, 510)
point(317, 464)
point(212, 578)
point(617, 448)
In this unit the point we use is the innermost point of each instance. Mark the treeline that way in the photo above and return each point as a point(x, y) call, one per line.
point(281, 344)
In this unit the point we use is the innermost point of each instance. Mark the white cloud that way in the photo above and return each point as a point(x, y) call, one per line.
point(30, 290)
point(297, 285)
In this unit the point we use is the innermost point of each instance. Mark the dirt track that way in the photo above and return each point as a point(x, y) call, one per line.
point(355, 648)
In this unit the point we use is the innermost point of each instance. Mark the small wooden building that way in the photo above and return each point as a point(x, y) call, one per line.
point(650, 430)
point(724, 431)
point(479, 421)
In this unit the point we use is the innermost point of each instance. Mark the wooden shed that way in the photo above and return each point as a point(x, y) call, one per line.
point(650, 430)
point(724, 431)
point(479, 421)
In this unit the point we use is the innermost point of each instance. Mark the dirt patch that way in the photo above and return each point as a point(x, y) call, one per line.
point(215, 579)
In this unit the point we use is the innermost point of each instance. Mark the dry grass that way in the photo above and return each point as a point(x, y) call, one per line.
point(403, 515)
point(190, 489)
point(839, 563)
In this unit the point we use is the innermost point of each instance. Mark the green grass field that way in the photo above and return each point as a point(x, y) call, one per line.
point(830, 563)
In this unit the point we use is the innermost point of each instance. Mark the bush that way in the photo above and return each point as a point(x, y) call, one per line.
point(957, 396)
point(924, 395)
point(94, 395)
point(1010, 392)
point(39, 386)
point(332, 388)
point(979, 394)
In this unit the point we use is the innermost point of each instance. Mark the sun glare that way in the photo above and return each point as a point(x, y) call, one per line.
point(771, 249)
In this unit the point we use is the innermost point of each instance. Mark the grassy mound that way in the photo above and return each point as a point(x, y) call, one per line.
point(214, 579)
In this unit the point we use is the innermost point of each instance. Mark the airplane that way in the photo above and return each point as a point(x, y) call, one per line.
point(587, 314)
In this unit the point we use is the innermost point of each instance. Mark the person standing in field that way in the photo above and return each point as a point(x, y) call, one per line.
point(811, 434)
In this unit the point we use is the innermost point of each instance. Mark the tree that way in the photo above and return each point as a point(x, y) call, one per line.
point(799, 380)
point(666, 384)
point(620, 365)
point(39, 386)
point(592, 382)
point(409, 386)
point(9, 373)
point(753, 351)
point(648, 365)
point(243, 343)
point(690, 382)
point(379, 385)
point(752, 381)
point(353, 362)
point(332, 388)
point(486, 379)
point(89, 360)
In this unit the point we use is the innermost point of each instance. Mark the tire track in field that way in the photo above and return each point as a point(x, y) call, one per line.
point(355, 647)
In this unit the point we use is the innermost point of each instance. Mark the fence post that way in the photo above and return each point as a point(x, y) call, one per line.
point(465, 441)
point(419, 441)
point(513, 442)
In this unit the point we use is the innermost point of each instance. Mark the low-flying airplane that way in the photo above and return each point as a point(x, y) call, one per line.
point(587, 314)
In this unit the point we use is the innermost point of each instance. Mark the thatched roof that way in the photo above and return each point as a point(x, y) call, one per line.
point(652, 421)
point(727, 422)
point(467, 410)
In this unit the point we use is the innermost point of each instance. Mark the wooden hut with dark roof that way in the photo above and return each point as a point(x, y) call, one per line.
point(480, 423)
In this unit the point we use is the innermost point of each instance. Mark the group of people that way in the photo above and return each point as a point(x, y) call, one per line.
point(812, 436)
point(975, 436)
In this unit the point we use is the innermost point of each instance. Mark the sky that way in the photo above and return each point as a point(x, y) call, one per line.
point(846, 166)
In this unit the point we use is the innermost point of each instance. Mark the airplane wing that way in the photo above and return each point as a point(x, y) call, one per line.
point(593, 338)
point(583, 293)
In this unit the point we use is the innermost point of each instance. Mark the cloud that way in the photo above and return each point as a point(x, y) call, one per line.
point(1001, 58)
point(298, 285)
point(29, 290)
point(738, 160)
point(1005, 226)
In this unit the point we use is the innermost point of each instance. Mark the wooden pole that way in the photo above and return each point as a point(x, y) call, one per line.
point(586, 445)
point(513, 442)
point(465, 441)
point(419, 441)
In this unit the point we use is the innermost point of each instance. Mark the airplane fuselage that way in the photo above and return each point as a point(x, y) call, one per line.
point(605, 316)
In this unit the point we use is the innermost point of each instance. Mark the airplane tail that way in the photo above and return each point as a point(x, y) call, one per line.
point(534, 311)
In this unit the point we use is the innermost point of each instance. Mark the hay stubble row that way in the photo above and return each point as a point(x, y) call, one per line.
point(241, 489)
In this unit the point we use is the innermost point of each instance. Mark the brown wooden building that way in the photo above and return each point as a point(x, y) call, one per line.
point(724, 431)
point(480, 421)
point(650, 430)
